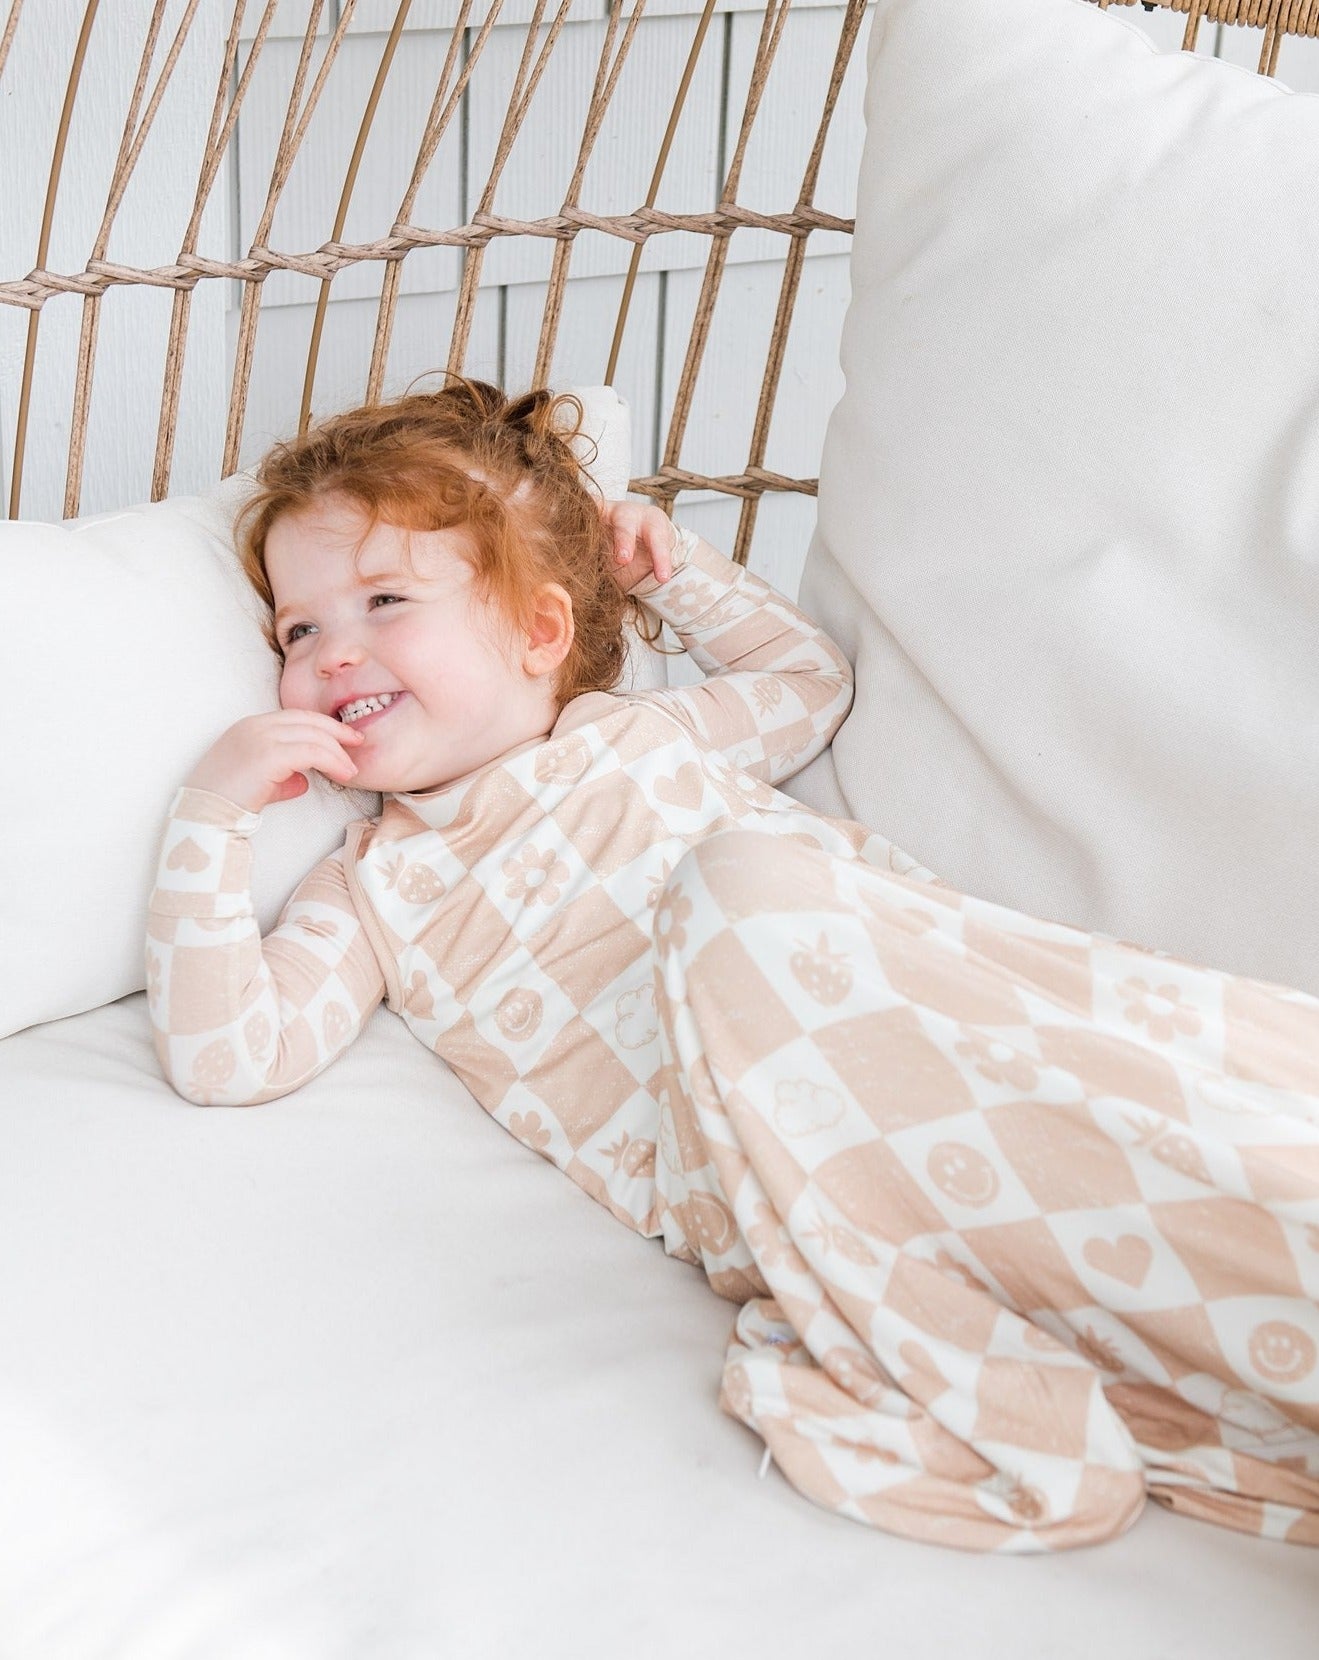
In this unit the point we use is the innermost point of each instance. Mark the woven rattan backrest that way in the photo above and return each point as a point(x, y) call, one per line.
point(403, 229)
point(1275, 18)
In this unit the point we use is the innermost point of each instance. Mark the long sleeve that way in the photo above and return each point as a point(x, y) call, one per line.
point(238, 1019)
point(777, 688)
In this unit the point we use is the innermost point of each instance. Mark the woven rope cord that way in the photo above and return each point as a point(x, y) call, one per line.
point(1290, 17)
point(561, 223)
point(99, 275)
point(1276, 18)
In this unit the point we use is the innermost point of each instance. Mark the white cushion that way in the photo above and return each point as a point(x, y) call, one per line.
point(355, 1376)
point(1069, 502)
point(134, 642)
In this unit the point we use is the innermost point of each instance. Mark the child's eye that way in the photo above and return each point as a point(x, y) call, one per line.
point(296, 633)
point(386, 599)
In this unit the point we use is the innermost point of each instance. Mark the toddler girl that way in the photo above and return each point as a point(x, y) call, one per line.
point(1025, 1221)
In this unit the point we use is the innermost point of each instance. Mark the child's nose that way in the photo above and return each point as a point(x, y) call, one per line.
point(337, 652)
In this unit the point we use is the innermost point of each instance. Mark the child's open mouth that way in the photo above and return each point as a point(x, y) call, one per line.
point(363, 710)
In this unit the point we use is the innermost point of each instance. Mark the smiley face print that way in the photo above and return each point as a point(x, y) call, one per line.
point(1282, 1352)
point(964, 1174)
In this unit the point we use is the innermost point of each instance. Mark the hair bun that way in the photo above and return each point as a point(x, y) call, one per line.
point(528, 411)
point(545, 423)
point(543, 414)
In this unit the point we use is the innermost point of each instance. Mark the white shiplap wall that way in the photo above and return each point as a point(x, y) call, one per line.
point(507, 323)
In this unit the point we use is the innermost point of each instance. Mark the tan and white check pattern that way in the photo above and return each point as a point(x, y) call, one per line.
point(1025, 1222)
point(1035, 1213)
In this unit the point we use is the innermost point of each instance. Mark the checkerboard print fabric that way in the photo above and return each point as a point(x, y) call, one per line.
point(1036, 1212)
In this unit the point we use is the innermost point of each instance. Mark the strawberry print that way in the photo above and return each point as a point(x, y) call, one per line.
point(821, 973)
point(419, 885)
point(213, 1067)
point(633, 1157)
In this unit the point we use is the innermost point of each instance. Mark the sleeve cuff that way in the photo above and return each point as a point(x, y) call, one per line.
point(202, 807)
point(683, 549)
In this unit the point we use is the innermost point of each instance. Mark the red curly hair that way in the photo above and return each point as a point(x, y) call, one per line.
point(499, 469)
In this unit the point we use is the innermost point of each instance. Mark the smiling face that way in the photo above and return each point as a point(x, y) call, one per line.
point(383, 628)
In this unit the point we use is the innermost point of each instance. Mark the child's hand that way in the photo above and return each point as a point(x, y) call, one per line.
point(645, 541)
point(265, 758)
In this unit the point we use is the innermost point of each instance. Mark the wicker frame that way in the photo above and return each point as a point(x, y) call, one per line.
point(795, 223)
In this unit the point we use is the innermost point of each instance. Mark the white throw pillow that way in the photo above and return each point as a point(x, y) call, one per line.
point(134, 641)
point(1069, 502)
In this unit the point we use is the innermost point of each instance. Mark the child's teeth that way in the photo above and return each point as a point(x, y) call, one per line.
point(365, 706)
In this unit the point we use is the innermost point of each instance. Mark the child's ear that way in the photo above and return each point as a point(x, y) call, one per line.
point(551, 633)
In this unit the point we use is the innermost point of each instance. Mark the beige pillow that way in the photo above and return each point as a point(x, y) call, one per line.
point(1069, 502)
point(134, 642)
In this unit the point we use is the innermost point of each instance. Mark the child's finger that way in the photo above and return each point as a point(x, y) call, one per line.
point(307, 724)
point(322, 753)
point(335, 730)
point(625, 543)
point(335, 764)
point(284, 723)
point(659, 535)
point(337, 739)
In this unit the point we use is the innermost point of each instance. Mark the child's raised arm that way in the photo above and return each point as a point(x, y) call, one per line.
point(239, 1020)
point(777, 688)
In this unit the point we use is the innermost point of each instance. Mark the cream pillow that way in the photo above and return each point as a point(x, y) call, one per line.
point(1069, 502)
point(134, 642)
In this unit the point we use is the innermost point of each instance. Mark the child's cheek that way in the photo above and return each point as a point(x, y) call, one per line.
point(291, 692)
